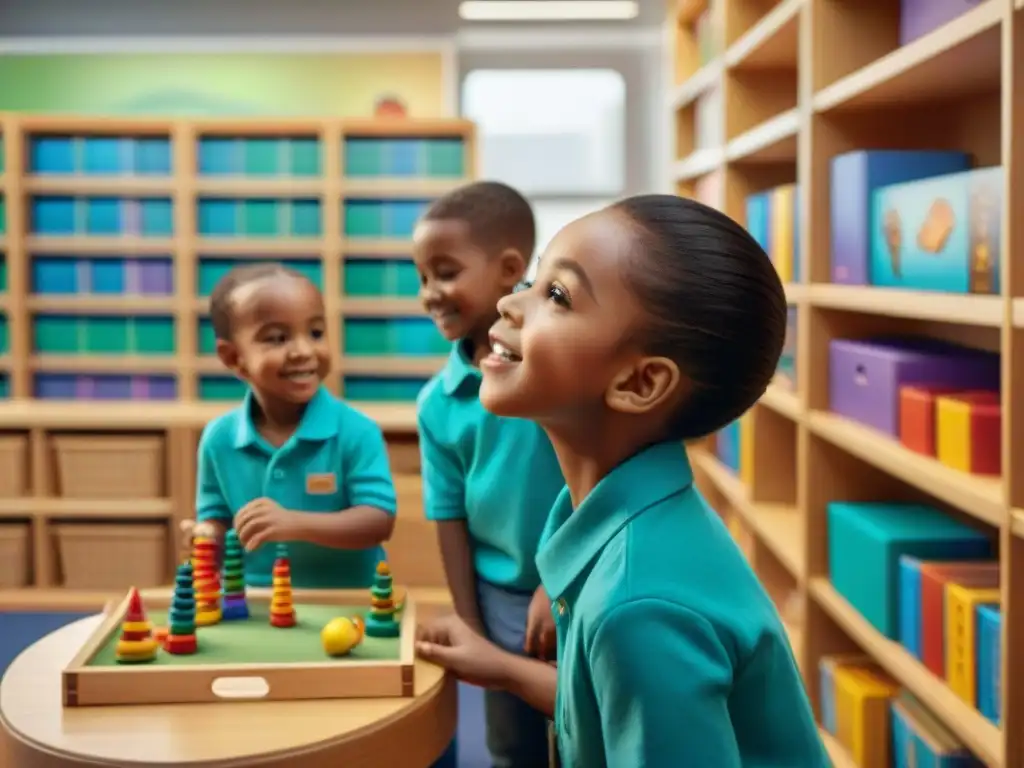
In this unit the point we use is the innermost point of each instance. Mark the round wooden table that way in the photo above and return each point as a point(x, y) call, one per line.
point(355, 733)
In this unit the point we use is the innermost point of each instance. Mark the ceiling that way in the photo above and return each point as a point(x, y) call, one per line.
point(256, 17)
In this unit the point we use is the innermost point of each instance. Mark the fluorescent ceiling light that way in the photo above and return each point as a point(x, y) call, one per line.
point(548, 10)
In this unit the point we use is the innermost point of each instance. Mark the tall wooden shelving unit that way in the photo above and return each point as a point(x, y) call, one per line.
point(337, 198)
point(786, 86)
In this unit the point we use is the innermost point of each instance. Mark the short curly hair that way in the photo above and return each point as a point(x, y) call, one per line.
point(221, 299)
point(498, 216)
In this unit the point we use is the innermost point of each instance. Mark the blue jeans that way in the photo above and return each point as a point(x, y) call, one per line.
point(517, 735)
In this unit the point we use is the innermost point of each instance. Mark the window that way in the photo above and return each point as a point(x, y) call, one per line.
point(556, 135)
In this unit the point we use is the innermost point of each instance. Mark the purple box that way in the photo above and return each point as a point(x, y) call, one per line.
point(865, 376)
point(854, 177)
point(919, 17)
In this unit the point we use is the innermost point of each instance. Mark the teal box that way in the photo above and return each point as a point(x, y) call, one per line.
point(939, 234)
point(919, 739)
point(990, 662)
point(867, 539)
point(364, 218)
point(910, 605)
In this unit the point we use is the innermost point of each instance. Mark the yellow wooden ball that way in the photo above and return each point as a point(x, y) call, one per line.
point(339, 636)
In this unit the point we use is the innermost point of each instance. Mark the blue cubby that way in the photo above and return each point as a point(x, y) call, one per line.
point(54, 215)
point(431, 157)
point(5, 386)
point(259, 217)
point(101, 216)
point(381, 218)
point(211, 270)
point(404, 336)
point(218, 217)
point(76, 386)
point(102, 275)
point(259, 156)
point(157, 217)
point(5, 341)
point(100, 155)
point(382, 388)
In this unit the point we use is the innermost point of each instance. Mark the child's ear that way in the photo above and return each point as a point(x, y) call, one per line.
point(513, 267)
point(646, 384)
point(228, 354)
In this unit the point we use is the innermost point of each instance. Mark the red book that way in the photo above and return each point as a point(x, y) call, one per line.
point(934, 577)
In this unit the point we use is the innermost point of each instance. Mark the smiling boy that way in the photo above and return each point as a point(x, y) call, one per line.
point(292, 463)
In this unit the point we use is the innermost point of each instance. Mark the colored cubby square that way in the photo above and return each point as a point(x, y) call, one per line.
point(103, 155)
point(368, 336)
point(364, 157)
point(52, 154)
point(381, 277)
point(446, 158)
point(261, 218)
point(404, 157)
point(5, 386)
point(151, 277)
point(400, 217)
point(3, 274)
point(55, 386)
point(53, 215)
point(159, 388)
point(3, 215)
point(304, 157)
point(56, 334)
point(4, 336)
point(103, 335)
point(103, 216)
point(152, 156)
point(310, 269)
point(210, 273)
point(220, 388)
point(305, 218)
point(380, 389)
point(105, 387)
point(54, 275)
point(107, 277)
point(418, 336)
point(363, 218)
point(218, 218)
point(157, 218)
point(262, 157)
point(220, 156)
point(207, 340)
point(153, 335)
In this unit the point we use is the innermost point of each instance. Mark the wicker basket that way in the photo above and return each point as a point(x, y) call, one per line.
point(113, 556)
point(110, 466)
point(13, 465)
point(15, 543)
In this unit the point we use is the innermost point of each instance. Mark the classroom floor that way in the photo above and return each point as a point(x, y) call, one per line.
point(23, 629)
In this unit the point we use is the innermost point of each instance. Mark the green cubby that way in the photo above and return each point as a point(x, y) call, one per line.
point(446, 157)
point(5, 340)
point(261, 218)
point(382, 389)
point(220, 388)
point(206, 341)
point(211, 270)
point(3, 215)
point(392, 336)
point(103, 335)
point(380, 277)
point(263, 157)
point(363, 218)
point(3, 274)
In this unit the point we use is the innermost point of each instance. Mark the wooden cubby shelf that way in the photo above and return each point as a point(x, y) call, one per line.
point(767, 94)
point(113, 232)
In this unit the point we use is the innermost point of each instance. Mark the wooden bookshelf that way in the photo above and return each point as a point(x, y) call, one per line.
point(113, 232)
point(789, 85)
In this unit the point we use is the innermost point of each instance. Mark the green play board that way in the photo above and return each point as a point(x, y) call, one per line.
point(254, 641)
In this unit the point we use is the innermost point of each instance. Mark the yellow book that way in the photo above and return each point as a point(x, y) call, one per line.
point(862, 713)
point(781, 238)
point(961, 603)
point(747, 448)
point(953, 433)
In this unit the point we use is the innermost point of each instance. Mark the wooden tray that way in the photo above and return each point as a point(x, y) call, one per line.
point(187, 680)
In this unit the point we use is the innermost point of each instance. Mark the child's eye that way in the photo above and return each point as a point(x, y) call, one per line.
point(559, 295)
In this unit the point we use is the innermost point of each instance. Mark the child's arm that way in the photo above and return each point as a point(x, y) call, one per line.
point(662, 681)
point(444, 502)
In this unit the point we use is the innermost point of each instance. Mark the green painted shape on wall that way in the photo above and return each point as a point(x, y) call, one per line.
point(56, 334)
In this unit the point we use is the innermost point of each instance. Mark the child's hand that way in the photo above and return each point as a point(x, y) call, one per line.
point(540, 627)
point(264, 520)
point(190, 529)
point(450, 643)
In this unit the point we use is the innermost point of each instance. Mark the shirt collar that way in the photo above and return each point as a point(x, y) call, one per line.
point(459, 370)
point(639, 483)
point(316, 423)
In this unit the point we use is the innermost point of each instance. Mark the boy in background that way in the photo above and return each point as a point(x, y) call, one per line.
point(292, 463)
point(489, 482)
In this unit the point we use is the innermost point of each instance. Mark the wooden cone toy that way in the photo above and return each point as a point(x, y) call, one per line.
point(206, 579)
point(282, 610)
point(136, 644)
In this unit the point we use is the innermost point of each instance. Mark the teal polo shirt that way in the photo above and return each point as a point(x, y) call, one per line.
point(335, 460)
point(670, 653)
point(500, 475)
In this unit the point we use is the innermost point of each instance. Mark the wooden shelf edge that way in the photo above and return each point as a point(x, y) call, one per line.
point(981, 736)
point(925, 51)
point(704, 79)
point(783, 402)
point(769, 25)
point(982, 498)
point(698, 163)
point(134, 509)
point(1018, 307)
point(772, 523)
point(778, 130)
point(1017, 522)
point(687, 11)
point(837, 752)
point(966, 309)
